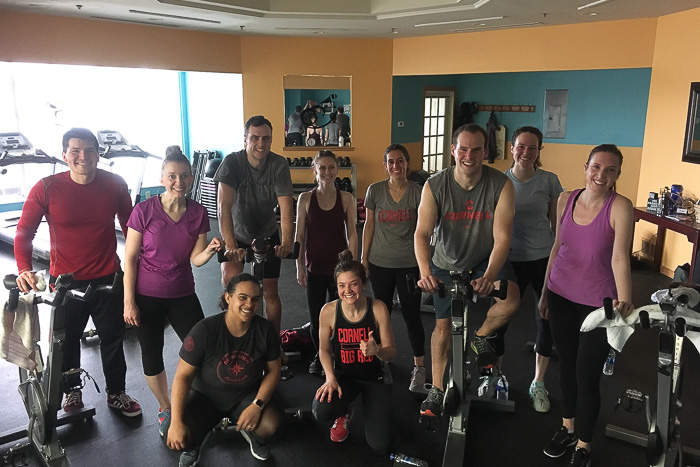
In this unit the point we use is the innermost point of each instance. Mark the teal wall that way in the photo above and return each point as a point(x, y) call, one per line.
point(294, 97)
point(605, 106)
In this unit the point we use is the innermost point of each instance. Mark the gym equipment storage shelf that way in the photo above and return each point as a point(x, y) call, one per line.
point(302, 182)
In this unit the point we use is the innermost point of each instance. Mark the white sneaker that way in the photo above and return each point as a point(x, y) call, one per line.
point(417, 383)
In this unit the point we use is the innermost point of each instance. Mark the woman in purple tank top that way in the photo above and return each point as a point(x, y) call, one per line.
point(589, 261)
point(325, 227)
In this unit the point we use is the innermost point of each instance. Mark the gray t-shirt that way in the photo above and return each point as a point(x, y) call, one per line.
point(532, 232)
point(333, 129)
point(256, 192)
point(295, 125)
point(464, 218)
point(394, 225)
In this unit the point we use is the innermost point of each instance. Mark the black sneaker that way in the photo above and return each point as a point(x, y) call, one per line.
point(560, 442)
point(432, 405)
point(580, 458)
point(316, 368)
point(486, 357)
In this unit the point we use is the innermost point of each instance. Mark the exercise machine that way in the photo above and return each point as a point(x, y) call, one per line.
point(41, 391)
point(664, 447)
point(114, 146)
point(15, 153)
point(458, 399)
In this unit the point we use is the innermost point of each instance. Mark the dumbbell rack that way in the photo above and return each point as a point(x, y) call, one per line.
point(300, 187)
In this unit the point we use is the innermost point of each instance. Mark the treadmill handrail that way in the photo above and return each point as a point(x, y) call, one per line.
point(39, 157)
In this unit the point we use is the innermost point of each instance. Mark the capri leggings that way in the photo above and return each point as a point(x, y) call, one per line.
point(533, 272)
point(182, 313)
point(581, 359)
point(376, 408)
point(384, 281)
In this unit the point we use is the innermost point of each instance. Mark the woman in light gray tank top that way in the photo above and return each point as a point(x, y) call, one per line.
point(387, 249)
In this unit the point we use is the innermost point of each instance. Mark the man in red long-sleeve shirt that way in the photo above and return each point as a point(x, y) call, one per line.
point(79, 206)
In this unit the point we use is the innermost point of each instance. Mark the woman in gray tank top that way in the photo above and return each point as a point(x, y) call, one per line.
point(387, 249)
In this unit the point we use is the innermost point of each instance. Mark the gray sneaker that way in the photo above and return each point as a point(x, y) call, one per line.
point(258, 448)
point(190, 458)
point(417, 383)
point(540, 398)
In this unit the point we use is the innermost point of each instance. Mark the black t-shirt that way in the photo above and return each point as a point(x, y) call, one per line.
point(229, 367)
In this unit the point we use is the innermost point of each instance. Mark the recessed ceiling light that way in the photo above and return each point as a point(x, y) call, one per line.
point(475, 20)
point(592, 4)
point(592, 13)
point(163, 15)
point(394, 31)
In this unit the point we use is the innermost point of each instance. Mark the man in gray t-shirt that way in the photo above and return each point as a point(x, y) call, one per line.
point(472, 207)
point(252, 182)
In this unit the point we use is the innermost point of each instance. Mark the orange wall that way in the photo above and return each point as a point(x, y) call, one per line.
point(266, 60)
point(676, 64)
point(608, 44)
point(52, 39)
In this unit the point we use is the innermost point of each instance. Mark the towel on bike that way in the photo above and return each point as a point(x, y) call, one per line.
point(619, 329)
point(19, 334)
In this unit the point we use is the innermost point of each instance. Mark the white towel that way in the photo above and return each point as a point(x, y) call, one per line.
point(19, 334)
point(619, 329)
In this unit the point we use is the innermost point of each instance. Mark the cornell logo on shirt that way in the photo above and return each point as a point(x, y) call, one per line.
point(235, 368)
point(394, 216)
point(469, 214)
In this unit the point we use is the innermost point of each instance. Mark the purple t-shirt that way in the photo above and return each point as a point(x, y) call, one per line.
point(582, 271)
point(164, 269)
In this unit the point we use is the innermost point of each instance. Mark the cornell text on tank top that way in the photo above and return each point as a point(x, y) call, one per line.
point(350, 362)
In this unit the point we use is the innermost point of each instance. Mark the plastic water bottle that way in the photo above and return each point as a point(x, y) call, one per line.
point(403, 459)
point(502, 388)
point(609, 366)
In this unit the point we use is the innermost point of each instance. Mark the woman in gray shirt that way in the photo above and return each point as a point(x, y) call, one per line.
point(387, 249)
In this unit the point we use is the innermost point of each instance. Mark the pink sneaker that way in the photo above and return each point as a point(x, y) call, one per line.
point(73, 401)
point(124, 403)
point(339, 430)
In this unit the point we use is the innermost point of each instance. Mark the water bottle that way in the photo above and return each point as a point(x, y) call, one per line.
point(403, 459)
point(502, 388)
point(609, 366)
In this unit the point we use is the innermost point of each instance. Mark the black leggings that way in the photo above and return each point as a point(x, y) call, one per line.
point(107, 312)
point(384, 281)
point(182, 313)
point(581, 359)
point(376, 408)
point(533, 272)
point(320, 289)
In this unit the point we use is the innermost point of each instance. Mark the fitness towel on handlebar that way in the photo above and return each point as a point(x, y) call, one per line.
point(619, 329)
point(20, 333)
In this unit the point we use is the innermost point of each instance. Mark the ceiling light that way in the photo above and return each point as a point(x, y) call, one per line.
point(592, 13)
point(509, 26)
point(394, 31)
point(163, 15)
point(592, 4)
point(441, 23)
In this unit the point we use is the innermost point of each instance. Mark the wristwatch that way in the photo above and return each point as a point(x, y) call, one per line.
point(259, 402)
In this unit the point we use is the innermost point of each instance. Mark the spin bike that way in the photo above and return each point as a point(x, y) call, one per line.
point(457, 400)
point(41, 391)
point(664, 447)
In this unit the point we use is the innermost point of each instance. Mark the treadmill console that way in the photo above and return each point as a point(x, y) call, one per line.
point(14, 142)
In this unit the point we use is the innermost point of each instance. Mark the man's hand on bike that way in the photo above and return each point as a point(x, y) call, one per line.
point(26, 282)
point(429, 284)
point(484, 286)
point(282, 251)
point(236, 256)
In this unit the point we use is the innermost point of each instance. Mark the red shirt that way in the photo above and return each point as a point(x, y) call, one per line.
point(81, 224)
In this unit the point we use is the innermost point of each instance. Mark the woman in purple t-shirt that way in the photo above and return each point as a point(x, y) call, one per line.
point(589, 261)
point(165, 233)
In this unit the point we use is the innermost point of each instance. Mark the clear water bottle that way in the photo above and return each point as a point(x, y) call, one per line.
point(502, 388)
point(609, 366)
point(403, 459)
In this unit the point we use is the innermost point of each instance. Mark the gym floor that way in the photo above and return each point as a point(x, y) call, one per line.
point(493, 439)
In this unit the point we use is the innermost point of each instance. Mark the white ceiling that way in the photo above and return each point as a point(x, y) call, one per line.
point(352, 18)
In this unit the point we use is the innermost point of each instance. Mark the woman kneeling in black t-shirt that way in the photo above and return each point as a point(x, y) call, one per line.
point(231, 363)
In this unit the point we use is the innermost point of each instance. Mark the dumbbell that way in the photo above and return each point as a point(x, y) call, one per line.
point(346, 185)
point(289, 161)
point(309, 162)
point(347, 162)
point(295, 162)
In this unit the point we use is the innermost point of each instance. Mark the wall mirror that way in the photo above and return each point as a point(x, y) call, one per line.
point(691, 146)
point(323, 99)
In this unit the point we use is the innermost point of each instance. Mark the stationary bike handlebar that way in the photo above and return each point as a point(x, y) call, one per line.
point(62, 283)
point(500, 293)
point(260, 251)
